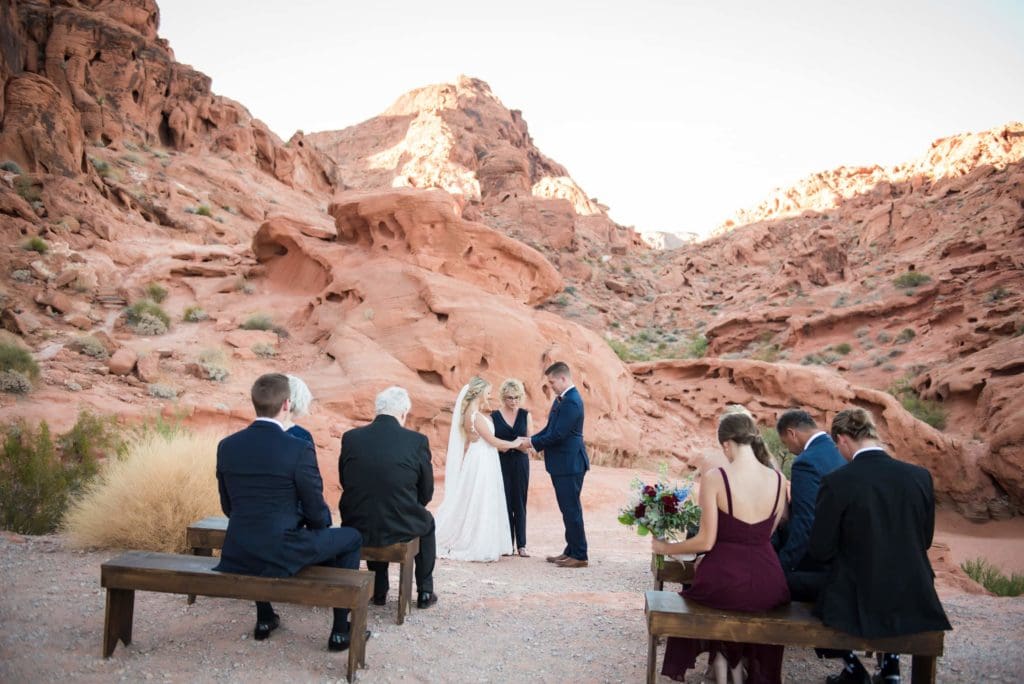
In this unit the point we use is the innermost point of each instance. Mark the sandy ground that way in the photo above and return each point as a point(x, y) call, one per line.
point(515, 620)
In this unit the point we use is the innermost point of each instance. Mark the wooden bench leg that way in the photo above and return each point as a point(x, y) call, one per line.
point(404, 589)
point(117, 621)
point(357, 647)
point(198, 552)
point(659, 585)
point(923, 670)
point(652, 658)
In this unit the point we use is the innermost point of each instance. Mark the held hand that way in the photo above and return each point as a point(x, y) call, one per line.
point(659, 546)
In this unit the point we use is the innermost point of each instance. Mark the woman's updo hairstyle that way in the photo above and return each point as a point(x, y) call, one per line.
point(739, 427)
point(856, 423)
point(475, 387)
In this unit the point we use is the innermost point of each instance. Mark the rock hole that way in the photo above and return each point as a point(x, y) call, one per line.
point(135, 96)
point(384, 230)
point(134, 56)
point(106, 139)
point(334, 297)
point(484, 364)
point(430, 377)
point(164, 131)
point(98, 57)
point(442, 318)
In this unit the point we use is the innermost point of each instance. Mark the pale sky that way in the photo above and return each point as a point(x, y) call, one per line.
point(673, 113)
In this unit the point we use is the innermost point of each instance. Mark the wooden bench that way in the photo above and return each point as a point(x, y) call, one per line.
point(669, 614)
point(671, 570)
point(181, 574)
point(203, 536)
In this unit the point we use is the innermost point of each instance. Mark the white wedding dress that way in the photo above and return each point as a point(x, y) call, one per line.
point(472, 521)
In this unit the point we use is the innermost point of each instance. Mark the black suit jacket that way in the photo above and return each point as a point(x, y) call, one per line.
point(264, 475)
point(387, 481)
point(873, 524)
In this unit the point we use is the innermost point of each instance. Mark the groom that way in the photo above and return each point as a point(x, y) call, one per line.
point(565, 459)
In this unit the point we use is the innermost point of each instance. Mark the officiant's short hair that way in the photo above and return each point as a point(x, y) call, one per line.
point(394, 401)
point(559, 368)
point(269, 393)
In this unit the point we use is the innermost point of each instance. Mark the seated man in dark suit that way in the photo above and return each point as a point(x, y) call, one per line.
point(387, 480)
point(816, 456)
point(264, 475)
point(873, 524)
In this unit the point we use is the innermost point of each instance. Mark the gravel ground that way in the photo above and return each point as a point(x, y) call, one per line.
point(515, 620)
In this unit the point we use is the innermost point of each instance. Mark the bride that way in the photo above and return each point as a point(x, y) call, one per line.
point(472, 521)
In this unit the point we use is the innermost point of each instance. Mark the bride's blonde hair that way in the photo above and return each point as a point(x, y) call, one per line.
point(474, 388)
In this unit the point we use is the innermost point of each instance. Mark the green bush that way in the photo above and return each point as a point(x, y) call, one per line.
point(36, 244)
point(204, 210)
point(697, 347)
point(194, 314)
point(156, 292)
point(18, 359)
point(147, 318)
point(911, 279)
point(264, 350)
point(905, 336)
point(998, 294)
point(38, 476)
point(988, 575)
point(90, 346)
point(214, 365)
point(626, 353)
point(843, 348)
point(8, 165)
point(783, 456)
point(926, 410)
point(258, 322)
point(768, 352)
point(102, 168)
point(27, 189)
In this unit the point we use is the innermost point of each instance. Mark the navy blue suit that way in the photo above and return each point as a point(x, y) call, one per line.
point(565, 459)
point(820, 458)
point(264, 475)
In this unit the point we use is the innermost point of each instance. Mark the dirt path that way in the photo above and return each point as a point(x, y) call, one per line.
point(515, 620)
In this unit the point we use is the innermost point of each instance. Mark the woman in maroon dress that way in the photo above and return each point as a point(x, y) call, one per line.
point(741, 505)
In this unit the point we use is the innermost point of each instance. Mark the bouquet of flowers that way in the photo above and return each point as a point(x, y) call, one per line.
point(662, 509)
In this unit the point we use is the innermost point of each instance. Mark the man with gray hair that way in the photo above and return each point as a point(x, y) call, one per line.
point(387, 480)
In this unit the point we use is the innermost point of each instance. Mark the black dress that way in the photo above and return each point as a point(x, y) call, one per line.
point(515, 472)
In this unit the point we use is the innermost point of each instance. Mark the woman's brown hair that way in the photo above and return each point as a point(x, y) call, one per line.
point(855, 423)
point(740, 428)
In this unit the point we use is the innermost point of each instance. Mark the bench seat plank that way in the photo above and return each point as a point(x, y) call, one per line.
point(185, 574)
point(794, 624)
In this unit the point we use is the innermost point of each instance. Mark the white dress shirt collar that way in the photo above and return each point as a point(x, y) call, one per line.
point(562, 395)
point(815, 436)
point(271, 420)
point(858, 452)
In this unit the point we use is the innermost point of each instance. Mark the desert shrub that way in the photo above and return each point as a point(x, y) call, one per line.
point(156, 292)
point(561, 300)
point(989, 576)
point(863, 331)
point(893, 353)
point(162, 391)
point(997, 294)
point(21, 275)
point(38, 476)
point(16, 358)
point(769, 352)
point(27, 189)
point(905, 336)
point(843, 348)
point(8, 165)
point(783, 456)
point(214, 365)
point(102, 168)
point(194, 314)
point(147, 318)
point(264, 350)
point(14, 382)
point(258, 322)
point(625, 352)
point(244, 286)
point(35, 244)
point(911, 279)
point(883, 337)
point(204, 210)
point(925, 410)
point(90, 346)
point(146, 499)
point(697, 347)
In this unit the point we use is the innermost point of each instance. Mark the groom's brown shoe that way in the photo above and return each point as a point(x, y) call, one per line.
point(556, 559)
point(570, 562)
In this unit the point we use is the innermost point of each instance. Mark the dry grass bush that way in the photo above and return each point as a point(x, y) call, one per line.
point(146, 499)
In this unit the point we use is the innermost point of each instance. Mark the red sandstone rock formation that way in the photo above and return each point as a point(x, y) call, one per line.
point(459, 248)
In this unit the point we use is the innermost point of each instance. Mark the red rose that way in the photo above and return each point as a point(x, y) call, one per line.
point(668, 501)
point(650, 491)
point(639, 511)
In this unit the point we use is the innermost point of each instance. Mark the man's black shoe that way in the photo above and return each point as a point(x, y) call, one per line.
point(380, 600)
point(847, 677)
point(340, 641)
point(426, 599)
point(263, 629)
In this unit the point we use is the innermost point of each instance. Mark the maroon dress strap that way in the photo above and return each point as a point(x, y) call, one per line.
point(728, 491)
point(778, 493)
